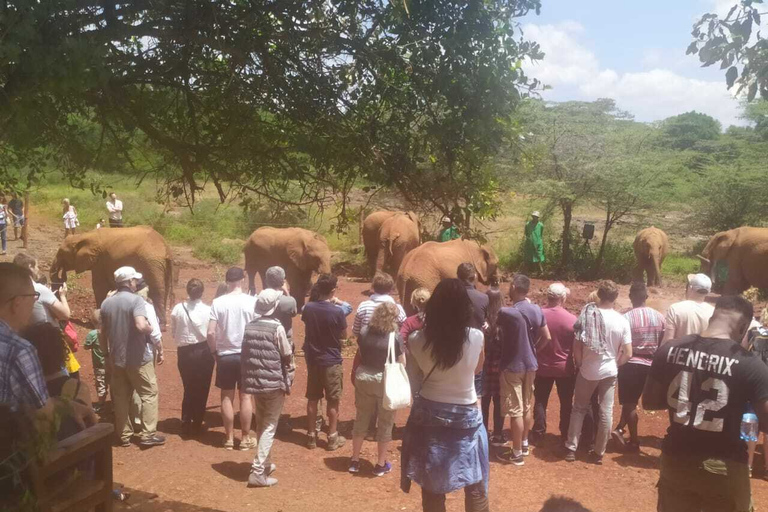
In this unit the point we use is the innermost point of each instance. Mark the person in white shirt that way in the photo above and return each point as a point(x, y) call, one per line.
point(230, 313)
point(603, 342)
point(115, 209)
point(692, 315)
point(189, 325)
point(382, 285)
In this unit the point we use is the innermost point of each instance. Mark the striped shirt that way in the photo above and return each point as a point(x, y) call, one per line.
point(647, 326)
point(366, 308)
point(21, 377)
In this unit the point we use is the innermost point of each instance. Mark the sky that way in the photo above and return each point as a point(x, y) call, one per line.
point(633, 52)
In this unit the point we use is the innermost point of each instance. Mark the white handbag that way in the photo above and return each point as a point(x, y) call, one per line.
point(397, 388)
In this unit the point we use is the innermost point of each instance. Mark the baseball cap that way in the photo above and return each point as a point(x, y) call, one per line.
point(446, 220)
point(235, 274)
point(266, 301)
point(558, 290)
point(699, 283)
point(536, 213)
point(124, 274)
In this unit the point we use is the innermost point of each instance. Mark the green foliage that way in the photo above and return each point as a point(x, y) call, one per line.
point(737, 44)
point(292, 103)
point(731, 197)
point(685, 130)
point(679, 265)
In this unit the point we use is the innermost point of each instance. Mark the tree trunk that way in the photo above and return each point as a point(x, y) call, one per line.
point(601, 252)
point(26, 221)
point(565, 257)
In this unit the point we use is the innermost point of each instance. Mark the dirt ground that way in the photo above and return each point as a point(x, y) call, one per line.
point(197, 475)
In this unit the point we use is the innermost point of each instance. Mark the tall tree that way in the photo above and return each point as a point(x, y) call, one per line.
point(290, 101)
point(737, 44)
point(683, 131)
point(562, 153)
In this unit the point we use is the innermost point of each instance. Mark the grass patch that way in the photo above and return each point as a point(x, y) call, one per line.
point(678, 265)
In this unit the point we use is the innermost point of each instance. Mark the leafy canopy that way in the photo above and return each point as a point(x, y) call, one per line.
point(291, 101)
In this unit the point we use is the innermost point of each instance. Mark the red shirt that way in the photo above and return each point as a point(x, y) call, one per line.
point(555, 358)
point(411, 325)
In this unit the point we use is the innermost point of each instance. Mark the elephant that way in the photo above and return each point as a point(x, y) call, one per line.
point(651, 247)
point(298, 251)
point(432, 262)
point(371, 226)
point(103, 251)
point(745, 251)
point(386, 247)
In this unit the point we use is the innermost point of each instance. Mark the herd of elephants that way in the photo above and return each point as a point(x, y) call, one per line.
point(392, 244)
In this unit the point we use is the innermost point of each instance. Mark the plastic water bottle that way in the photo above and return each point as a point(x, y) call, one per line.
point(749, 427)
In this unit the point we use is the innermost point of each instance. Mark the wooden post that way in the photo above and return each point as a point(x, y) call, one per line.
point(360, 226)
point(24, 234)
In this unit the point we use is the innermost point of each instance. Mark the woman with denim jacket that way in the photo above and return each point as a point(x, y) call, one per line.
point(445, 445)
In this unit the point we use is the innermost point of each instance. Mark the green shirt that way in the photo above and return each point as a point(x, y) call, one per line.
point(92, 344)
point(449, 234)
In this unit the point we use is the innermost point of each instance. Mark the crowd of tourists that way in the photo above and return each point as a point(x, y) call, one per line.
point(471, 360)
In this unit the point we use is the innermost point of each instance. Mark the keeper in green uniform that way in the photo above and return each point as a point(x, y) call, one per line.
point(448, 231)
point(534, 241)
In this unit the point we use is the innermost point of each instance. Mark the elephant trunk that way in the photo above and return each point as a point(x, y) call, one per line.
point(324, 267)
point(706, 264)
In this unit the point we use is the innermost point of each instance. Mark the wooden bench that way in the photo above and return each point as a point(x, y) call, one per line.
point(58, 484)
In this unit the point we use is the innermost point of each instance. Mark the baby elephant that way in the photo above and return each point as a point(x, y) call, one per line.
point(651, 247)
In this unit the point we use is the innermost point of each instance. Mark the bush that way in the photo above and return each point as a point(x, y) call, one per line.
point(618, 260)
point(679, 265)
point(228, 253)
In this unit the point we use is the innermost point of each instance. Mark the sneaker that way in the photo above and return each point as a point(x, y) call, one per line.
point(508, 457)
point(229, 444)
point(262, 480)
point(618, 437)
point(335, 442)
point(498, 440)
point(247, 444)
point(570, 455)
point(526, 450)
point(382, 470)
point(124, 444)
point(354, 466)
point(153, 440)
point(312, 441)
point(594, 458)
point(271, 469)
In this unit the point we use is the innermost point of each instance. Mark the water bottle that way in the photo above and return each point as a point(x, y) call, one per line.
point(749, 427)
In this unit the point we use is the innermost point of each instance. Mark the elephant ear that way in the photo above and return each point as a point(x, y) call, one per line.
point(296, 250)
point(86, 251)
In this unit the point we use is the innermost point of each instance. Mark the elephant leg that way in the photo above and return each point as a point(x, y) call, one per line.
point(156, 283)
point(263, 277)
point(736, 282)
point(100, 287)
point(381, 260)
point(299, 285)
point(251, 281)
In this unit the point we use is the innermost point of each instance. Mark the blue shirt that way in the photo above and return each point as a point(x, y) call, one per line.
point(325, 324)
point(517, 353)
point(535, 317)
point(21, 377)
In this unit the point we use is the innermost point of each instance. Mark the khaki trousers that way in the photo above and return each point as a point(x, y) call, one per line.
point(143, 381)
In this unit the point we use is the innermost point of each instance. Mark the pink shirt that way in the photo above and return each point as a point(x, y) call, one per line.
point(555, 358)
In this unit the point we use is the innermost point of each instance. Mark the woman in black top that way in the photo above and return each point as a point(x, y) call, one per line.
point(369, 385)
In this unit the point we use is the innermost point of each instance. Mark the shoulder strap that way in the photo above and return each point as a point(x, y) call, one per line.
point(391, 349)
point(194, 325)
point(428, 375)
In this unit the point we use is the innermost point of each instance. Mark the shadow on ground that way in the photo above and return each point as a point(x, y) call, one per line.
point(150, 502)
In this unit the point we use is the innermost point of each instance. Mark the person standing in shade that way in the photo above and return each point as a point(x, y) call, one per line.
point(325, 328)
point(467, 274)
point(705, 381)
point(98, 361)
point(189, 326)
point(286, 306)
point(115, 211)
point(555, 364)
point(647, 327)
point(414, 323)
point(448, 231)
point(16, 209)
point(267, 369)
point(230, 313)
point(124, 339)
point(534, 242)
point(692, 315)
point(603, 343)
